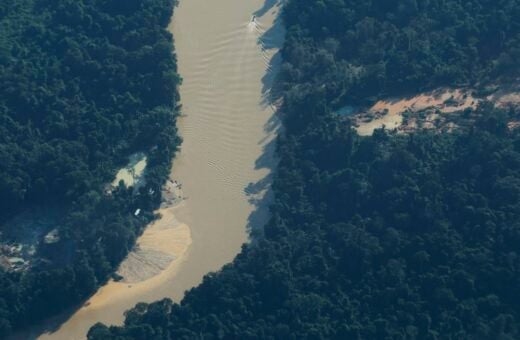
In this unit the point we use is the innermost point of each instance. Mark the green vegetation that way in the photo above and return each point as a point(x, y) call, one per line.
point(358, 50)
point(383, 237)
point(85, 83)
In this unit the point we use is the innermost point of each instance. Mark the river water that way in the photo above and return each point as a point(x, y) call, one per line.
point(227, 61)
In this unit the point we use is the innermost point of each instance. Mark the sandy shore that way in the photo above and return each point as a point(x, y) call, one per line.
point(227, 62)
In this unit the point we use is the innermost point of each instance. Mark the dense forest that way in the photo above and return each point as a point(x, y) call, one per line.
point(85, 83)
point(360, 50)
point(390, 236)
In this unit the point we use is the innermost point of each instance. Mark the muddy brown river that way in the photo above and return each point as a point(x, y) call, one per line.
point(227, 60)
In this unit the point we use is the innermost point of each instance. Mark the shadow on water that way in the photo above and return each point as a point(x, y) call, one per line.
point(260, 194)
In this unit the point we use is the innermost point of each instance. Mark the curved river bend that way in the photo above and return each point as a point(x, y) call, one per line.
point(228, 126)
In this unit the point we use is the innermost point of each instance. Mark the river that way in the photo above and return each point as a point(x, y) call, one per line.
point(227, 61)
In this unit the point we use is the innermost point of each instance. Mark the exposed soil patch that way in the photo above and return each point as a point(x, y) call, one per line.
point(441, 109)
point(132, 173)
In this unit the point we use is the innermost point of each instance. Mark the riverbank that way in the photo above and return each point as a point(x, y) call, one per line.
point(228, 126)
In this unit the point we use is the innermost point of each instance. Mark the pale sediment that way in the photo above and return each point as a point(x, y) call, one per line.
point(435, 106)
point(142, 264)
point(132, 173)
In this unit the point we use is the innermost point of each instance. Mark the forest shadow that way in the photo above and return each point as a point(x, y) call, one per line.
point(271, 39)
point(260, 193)
point(266, 7)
